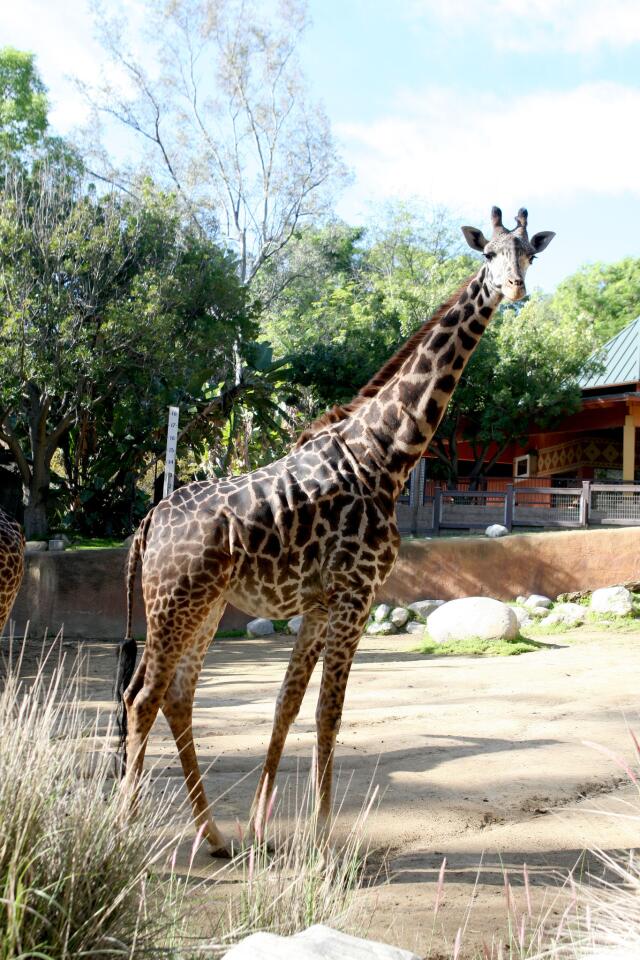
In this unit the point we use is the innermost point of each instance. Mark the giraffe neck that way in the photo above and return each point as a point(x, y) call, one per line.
point(389, 433)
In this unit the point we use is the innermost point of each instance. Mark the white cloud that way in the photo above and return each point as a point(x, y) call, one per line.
point(574, 26)
point(470, 151)
point(62, 35)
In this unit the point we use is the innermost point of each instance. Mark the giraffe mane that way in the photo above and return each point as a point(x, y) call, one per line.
point(384, 374)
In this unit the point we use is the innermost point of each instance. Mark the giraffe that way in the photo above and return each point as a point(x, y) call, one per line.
point(313, 533)
point(11, 564)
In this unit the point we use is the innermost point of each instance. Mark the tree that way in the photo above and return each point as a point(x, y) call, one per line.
point(111, 310)
point(524, 371)
point(23, 103)
point(228, 121)
point(346, 299)
point(605, 297)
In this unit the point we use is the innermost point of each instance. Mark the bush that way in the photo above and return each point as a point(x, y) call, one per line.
point(75, 873)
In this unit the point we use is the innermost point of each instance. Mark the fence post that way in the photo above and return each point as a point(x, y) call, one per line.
point(585, 499)
point(508, 507)
point(437, 503)
point(415, 497)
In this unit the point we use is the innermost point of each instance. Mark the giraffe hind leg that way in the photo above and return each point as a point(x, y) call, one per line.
point(177, 707)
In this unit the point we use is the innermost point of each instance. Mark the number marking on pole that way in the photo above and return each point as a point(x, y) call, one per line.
point(170, 459)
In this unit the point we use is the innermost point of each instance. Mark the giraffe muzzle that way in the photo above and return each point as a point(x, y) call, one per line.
point(514, 289)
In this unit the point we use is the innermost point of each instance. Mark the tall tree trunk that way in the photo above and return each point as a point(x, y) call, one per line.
point(36, 524)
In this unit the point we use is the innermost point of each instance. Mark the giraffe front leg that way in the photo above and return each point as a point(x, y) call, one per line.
point(346, 623)
point(304, 656)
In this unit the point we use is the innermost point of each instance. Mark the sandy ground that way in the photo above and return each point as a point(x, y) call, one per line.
point(481, 761)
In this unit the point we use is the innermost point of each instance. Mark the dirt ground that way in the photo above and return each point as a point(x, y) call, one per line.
point(486, 762)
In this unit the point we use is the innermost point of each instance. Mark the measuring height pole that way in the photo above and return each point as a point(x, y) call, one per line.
point(170, 459)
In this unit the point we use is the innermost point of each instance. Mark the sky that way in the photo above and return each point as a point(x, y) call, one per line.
point(461, 103)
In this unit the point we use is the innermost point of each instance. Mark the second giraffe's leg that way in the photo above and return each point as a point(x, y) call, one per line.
point(304, 656)
point(178, 709)
point(346, 623)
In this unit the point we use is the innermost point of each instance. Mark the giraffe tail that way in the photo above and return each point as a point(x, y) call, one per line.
point(127, 648)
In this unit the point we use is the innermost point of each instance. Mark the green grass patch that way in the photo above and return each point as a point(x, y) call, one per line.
point(280, 626)
point(230, 634)
point(96, 543)
point(479, 647)
point(538, 630)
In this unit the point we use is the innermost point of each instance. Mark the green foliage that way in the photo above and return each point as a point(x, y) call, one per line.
point(601, 297)
point(23, 102)
point(24, 124)
point(341, 301)
point(478, 647)
point(523, 372)
point(113, 310)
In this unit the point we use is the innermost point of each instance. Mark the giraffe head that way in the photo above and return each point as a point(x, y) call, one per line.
point(508, 253)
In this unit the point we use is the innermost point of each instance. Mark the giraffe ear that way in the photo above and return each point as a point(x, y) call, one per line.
point(540, 241)
point(475, 238)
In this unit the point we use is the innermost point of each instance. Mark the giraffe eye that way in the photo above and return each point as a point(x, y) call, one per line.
point(490, 255)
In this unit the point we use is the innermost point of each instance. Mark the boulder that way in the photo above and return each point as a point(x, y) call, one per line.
point(537, 611)
point(260, 628)
point(573, 596)
point(617, 600)
point(415, 626)
point(473, 617)
point(383, 629)
point(496, 530)
point(571, 614)
point(381, 612)
point(294, 624)
point(37, 546)
point(128, 540)
point(521, 599)
point(538, 600)
point(315, 943)
point(56, 544)
point(522, 616)
point(399, 616)
point(422, 608)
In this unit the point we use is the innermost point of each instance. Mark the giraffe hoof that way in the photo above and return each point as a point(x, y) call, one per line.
point(223, 852)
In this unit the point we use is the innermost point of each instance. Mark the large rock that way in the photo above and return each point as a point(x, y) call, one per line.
point(538, 600)
point(522, 616)
point(571, 614)
point(294, 624)
point(316, 943)
point(383, 629)
point(416, 626)
point(381, 612)
point(617, 600)
point(36, 546)
point(537, 611)
point(260, 628)
point(473, 617)
point(496, 530)
point(399, 617)
point(422, 608)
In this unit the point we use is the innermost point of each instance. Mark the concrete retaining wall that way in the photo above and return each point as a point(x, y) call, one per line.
point(547, 563)
point(84, 590)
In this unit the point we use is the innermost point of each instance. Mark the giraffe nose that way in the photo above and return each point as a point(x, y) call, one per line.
point(514, 288)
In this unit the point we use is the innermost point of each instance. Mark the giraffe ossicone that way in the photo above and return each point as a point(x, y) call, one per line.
point(313, 533)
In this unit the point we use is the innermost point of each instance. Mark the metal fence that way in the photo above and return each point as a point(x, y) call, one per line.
point(614, 504)
point(583, 504)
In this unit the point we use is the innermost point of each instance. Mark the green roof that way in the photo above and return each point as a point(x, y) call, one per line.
point(621, 357)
